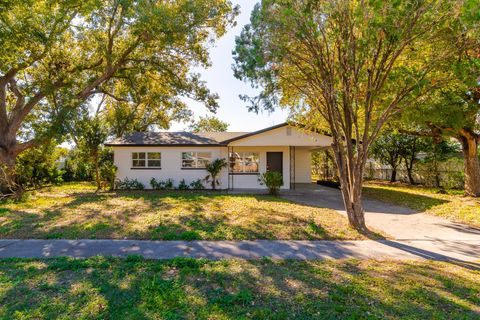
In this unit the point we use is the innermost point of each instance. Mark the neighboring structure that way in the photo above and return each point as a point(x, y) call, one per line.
point(183, 155)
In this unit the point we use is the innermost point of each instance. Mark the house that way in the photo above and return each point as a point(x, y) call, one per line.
point(183, 155)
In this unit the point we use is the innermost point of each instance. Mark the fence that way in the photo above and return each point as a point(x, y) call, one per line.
point(443, 178)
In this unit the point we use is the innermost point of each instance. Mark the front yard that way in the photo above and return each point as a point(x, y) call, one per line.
point(133, 288)
point(75, 211)
point(453, 205)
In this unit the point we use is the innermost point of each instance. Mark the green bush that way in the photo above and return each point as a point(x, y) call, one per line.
point(108, 172)
point(197, 185)
point(130, 184)
point(157, 185)
point(183, 185)
point(169, 184)
point(273, 180)
point(37, 167)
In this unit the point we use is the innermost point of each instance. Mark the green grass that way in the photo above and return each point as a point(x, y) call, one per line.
point(453, 205)
point(108, 288)
point(74, 211)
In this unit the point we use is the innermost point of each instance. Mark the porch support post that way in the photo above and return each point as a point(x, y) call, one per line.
point(228, 168)
point(292, 167)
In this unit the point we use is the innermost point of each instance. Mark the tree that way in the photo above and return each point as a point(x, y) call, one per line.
point(350, 64)
point(392, 148)
point(209, 124)
point(387, 149)
point(92, 135)
point(57, 55)
point(436, 152)
point(453, 110)
point(213, 168)
point(412, 146)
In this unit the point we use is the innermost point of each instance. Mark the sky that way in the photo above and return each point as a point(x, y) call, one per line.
point(220, 79)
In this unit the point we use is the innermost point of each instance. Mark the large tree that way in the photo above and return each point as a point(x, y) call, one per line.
point(56, 55)
point(453, 111)
point(351, 64)
point(209, 124)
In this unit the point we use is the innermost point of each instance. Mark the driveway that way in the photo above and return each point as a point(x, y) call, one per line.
point(398, 222)
point(424, 233)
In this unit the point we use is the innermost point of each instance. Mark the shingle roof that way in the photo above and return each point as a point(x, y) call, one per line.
point(175, 138)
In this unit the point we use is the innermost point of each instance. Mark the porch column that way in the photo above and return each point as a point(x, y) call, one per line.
point(292, 167)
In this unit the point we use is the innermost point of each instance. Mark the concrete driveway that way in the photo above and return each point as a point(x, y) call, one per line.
point(429, 233)
point(400, 223)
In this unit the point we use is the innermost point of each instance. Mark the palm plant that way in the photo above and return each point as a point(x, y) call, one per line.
point(213, 168)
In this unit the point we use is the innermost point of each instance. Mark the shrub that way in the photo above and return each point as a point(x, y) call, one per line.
point(273, 180)
point(169, 184)
point(183, 185)
point(108, 173)
point(130, 184)
point(157, 185)
point(197, 185)
point(213, 169)
point(37, 167)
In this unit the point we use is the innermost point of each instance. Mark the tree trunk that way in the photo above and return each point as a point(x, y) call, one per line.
point(97, 172)
point(393, 177)
point(469, 141)
point(410, 175)
point(353, 206)
point(8, 184)
point(351, 179)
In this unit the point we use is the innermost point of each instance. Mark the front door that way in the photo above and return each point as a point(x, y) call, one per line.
point(275, 161)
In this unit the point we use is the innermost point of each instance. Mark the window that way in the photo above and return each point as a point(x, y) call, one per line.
point(193, 160)
point(244, 162)
point(146, 159)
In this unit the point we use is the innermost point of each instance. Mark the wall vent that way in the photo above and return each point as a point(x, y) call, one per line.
point(289, 131)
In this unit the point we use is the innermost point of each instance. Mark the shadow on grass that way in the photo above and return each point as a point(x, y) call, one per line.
point(414, 201)
point(173, 215)
point(100, 288)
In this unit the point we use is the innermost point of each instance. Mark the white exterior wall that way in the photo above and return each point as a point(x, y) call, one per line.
point(275, 140)
point(171, 164)
point(250, 181)
point(285, 136)
point(303, 166)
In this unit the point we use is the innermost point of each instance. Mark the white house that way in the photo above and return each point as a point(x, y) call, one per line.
point(183, 155)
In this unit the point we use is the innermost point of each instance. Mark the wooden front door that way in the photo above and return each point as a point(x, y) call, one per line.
point(275, 161)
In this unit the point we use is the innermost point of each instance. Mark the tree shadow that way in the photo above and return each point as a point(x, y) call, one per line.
point(134, 288)
point(414, 201)
point(174, 215)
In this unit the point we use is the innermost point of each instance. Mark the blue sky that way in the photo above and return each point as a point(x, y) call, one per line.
point(220, 79)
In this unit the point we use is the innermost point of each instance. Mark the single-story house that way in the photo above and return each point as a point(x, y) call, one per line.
point(183, 155)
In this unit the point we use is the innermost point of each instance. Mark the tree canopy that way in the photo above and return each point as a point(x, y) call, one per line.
point(57, 55)
point(347, 66)
point(208, 124)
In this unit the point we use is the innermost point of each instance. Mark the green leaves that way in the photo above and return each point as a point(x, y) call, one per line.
point(57, 55)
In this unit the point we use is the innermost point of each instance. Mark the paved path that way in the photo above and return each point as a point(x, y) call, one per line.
point(400, 223)
point(462, 252)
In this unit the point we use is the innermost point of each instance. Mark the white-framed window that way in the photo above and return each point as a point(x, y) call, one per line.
point(244, 162)
point(146, 159)
point(195, 160)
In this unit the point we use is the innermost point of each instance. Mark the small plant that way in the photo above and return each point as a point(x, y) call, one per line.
point(130, 184)
point(169, 184)
point(183, 185)
point(197, 185)
point(157, 185)
point(273, 180)
point(213, 168)
point(108, 173)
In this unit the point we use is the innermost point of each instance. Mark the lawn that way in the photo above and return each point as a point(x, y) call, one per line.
point(75, 211)
point(109, 288)
point(453, 205)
